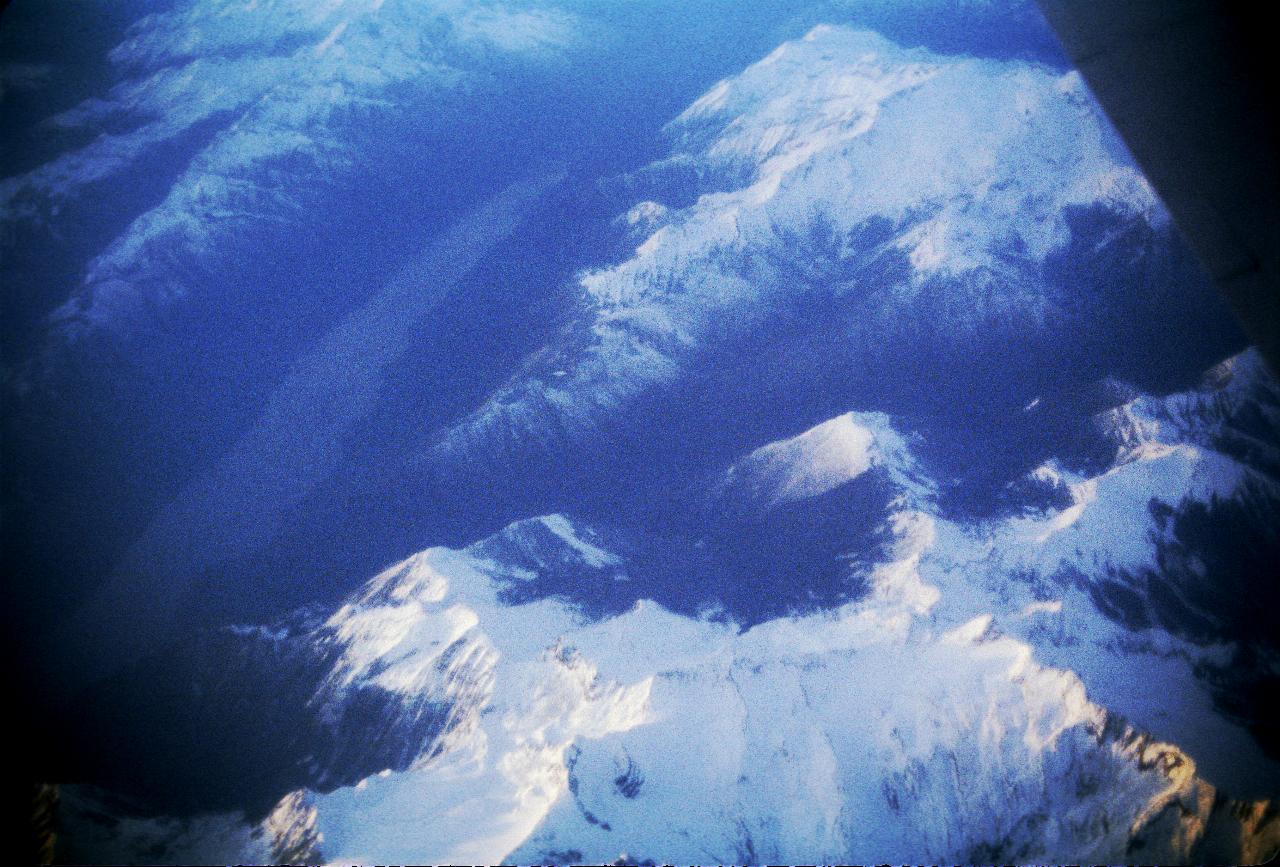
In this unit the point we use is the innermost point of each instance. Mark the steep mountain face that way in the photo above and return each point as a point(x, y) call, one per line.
point(979, 701)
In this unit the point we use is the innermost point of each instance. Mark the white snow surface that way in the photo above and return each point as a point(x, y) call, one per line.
point(823, 458)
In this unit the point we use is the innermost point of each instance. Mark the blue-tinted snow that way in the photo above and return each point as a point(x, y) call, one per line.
point(293, 290)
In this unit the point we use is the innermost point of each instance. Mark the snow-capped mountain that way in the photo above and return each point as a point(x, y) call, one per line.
point(852, 504)
point(979, 701)
point(868, 217)
point(820, 460)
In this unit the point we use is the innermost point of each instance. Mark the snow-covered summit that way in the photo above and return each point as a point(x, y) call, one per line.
point(965, 162)
point(821, 459)
point(912, 208)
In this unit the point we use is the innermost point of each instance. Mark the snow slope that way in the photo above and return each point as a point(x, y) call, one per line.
point(1153, 581)
point(819, 460)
